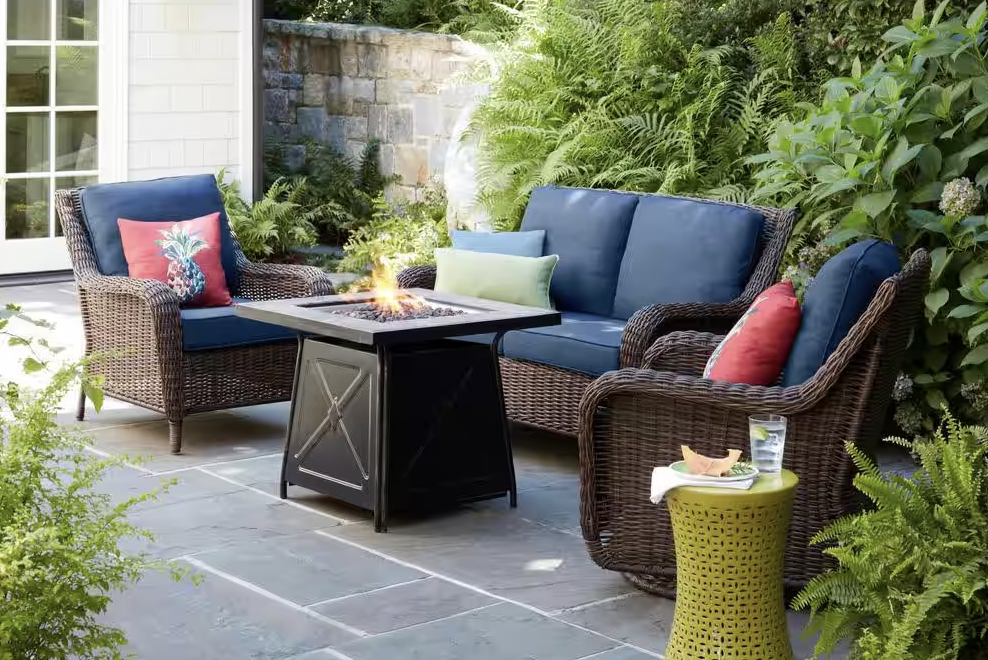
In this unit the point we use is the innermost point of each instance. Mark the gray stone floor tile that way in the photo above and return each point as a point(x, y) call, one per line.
point(319, 654)
point(124, 483)
point(218, 620)
point(404, 605)
point(556, 507)
point(308, 568)
point(621, 653)
point(207, 438)
point(497, 551)
point(498, 632)
point(640, 619)
point(264, 473)
point(214, 522)
point(113, 414)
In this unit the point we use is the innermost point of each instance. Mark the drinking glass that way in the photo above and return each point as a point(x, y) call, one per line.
point(768, 441)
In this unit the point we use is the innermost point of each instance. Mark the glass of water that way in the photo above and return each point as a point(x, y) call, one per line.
point(768, 441)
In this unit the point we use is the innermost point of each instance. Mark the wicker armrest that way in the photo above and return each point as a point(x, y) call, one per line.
point(649, 384)
point(650, 323)
point(683, 353)
point(272, 281)
point(417, 277)
point(157, 297)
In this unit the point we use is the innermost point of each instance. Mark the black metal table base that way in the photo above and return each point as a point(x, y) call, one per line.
point(399, 428)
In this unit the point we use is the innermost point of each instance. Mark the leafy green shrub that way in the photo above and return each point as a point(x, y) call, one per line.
point(839, 31)
point(289, 10)
point(456, 16)
point(399, 235)
point(271, 228)
point(873, 160)
point(60, 556)
point(607, 94)
point(339, 192)
point(912, 575)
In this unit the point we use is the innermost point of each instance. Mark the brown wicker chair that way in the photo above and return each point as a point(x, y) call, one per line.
point(136, 327)
point(548, 398)
point(636, 419)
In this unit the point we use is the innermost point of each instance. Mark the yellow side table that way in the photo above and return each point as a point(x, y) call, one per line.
point(730, 550)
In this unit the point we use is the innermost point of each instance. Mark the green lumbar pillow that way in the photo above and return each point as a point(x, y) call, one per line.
point(501, 277)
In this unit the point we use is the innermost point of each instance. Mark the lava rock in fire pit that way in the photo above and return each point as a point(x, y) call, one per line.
point(404, 312)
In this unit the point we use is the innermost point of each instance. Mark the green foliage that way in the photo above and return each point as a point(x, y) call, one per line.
point(912, 575)
point(399, 235)
point(458, 16)
point(607, 94)
point(271, 228)
point(339, 192)
point(60, 555)
point(839, 31)
point(874, 160)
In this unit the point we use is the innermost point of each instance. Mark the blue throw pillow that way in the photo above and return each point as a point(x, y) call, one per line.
point(840, 293)
point(514, 243)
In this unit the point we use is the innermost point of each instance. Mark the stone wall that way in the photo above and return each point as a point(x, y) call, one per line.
point(344, 85)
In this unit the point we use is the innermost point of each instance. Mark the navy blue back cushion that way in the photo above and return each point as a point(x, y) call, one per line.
point(588, 230)
point(839, 294)
point(160, 200)
point(685, 251)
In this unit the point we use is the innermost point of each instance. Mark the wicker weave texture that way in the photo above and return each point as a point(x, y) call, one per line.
point(635, 419)
point(135, 326)
point(730, 547)
point(548, 397)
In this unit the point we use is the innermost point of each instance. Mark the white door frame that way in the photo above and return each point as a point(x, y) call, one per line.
point(50, 254)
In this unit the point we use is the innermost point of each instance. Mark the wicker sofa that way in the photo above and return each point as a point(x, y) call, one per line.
point(154, 353)
point(631, 269)
point(635, 419)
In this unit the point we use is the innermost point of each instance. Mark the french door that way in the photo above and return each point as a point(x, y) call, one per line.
point(50, 98)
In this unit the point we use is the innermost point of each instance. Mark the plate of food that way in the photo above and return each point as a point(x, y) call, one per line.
point(731, 468)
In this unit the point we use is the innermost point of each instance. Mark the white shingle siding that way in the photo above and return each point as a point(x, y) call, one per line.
point(184, 88)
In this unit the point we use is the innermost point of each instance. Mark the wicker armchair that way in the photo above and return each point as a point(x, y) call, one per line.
point(548, 397)
point(135, 324)
point(635, 419)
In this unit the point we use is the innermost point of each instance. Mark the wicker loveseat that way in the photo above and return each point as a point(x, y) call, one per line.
point(154, 353)
point(631, 269)
point(636, 419)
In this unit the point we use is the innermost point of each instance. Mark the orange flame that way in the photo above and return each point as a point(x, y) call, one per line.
point(384, 286)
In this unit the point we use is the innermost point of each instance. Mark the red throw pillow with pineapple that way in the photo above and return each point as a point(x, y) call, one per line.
point(184, 255)
point(757, 347)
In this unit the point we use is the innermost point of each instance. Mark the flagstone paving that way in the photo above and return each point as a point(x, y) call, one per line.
point(308, 579)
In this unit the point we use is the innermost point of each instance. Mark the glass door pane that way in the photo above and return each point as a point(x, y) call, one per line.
point(27, 208)
point(76, 20)
point(28, 20)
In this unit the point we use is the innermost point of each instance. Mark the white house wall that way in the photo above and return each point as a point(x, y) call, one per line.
point(186, 102)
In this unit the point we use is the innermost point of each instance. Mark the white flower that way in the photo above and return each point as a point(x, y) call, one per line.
point(960, 197)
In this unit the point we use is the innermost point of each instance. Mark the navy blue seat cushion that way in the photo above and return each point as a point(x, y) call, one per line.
point(586, 343)
point(839, 294)
point(686, 251)
point(588, 230)
point(161, 200)
point(516, 243)
point(205, 328)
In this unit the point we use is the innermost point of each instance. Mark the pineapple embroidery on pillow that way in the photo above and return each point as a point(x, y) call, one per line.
point(185, 255)
point(179, 246)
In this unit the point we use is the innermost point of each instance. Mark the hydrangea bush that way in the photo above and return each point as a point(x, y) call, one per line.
point(900, 152)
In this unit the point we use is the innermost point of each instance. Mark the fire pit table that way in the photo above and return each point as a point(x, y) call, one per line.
point(389, 411)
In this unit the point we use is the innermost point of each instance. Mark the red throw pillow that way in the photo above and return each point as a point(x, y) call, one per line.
point(184, 255)
point(757, 347)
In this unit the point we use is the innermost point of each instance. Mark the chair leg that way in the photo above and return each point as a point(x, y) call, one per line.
point(175, 436)
point(80, 413)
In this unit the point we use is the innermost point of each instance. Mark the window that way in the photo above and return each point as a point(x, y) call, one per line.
point(50, 109)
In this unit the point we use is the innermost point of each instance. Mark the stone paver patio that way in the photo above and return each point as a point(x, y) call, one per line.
point(309, 578)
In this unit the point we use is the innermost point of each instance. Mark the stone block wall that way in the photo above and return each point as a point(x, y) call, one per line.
point(344, 85)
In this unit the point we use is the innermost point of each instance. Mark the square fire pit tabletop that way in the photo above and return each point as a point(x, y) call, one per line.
point(322, 316)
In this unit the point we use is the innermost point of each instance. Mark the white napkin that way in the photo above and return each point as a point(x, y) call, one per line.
point(665, 479)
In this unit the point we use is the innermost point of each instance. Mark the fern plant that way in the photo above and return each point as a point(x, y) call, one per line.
point(912, 575)
point(271, 228)
point(607, 94)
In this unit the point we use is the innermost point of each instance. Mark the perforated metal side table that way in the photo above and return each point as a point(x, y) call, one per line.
point(730, 549)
